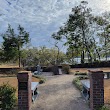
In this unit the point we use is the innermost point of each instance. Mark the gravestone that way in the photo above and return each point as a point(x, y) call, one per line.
point(38, 69)
point(55, 70)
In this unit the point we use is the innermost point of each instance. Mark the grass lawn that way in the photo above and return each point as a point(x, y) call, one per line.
point(85, 70)
point(9, 65)
point(14, 82)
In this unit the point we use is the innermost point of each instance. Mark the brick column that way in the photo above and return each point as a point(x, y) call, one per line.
point(24, 90)
point(96, 89)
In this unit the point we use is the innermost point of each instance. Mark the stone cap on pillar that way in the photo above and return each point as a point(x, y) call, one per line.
point(24, 75)
point(95, 71)
point(22, 72)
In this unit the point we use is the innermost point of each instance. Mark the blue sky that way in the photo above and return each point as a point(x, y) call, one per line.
point(42, 17)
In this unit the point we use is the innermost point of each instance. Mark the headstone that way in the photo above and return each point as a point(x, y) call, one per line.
point(38, 69)
point(55, 70)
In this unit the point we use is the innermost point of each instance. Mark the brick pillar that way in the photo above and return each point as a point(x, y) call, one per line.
point(96, 89)
point(24, 90)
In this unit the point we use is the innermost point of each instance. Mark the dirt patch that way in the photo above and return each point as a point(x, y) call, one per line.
point(9, 65)
point(58, 93)
point(83, 70)
point(14, 82)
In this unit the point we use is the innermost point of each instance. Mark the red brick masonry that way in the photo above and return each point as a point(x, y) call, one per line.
point(96, 89)
point(24, 90)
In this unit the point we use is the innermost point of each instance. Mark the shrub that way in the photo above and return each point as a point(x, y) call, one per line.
point(66, 68)
point(103, 108)
point(77, 83)
point(7, 97)
point(83, 77)
point(78, 73)
point(42, 79)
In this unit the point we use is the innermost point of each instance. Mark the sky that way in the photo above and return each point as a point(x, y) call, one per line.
point(42, 17)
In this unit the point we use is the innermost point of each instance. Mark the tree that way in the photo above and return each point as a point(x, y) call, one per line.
point(42, 55)
point(9, 40)
point(77, 29)
point(104, 32)
point(13, 43)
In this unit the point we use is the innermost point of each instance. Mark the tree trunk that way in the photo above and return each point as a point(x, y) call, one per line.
point(72, 57)
point(82, 57)
point(105, 48)
point(85, 44)
point(96, 48)
point(19, 56)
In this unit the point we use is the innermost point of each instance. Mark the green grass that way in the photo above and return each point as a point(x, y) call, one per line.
point(78, 73)
point(77, 83)
point(103, 108)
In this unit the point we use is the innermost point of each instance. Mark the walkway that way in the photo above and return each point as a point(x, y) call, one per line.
point(58, 93)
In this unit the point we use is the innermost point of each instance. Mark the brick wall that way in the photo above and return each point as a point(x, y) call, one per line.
point(96, 89)
point(24, 90)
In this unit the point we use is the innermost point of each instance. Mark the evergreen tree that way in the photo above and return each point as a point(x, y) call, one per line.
point(12, 43)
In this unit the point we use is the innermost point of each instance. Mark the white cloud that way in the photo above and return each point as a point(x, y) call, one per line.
point(42, 17)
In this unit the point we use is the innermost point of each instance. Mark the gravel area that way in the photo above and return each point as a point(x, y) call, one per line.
point(58, 93)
